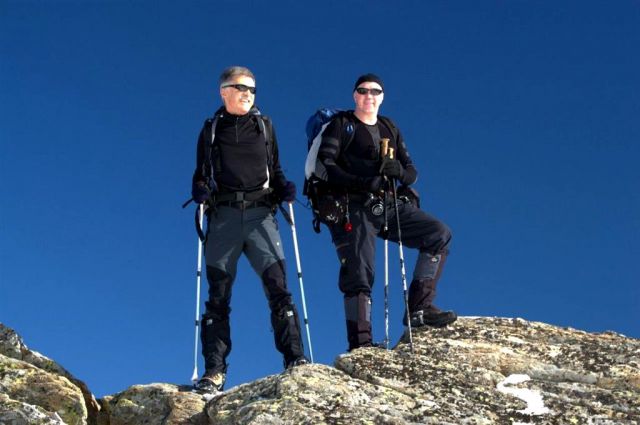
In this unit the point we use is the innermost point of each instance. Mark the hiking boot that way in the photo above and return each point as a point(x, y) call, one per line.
point(431, 316)
point(297, 362)
point(211, 383)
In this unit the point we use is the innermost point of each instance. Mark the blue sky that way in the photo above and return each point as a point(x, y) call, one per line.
point(522, 117)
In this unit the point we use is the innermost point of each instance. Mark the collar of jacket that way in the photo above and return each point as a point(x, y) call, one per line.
point(222, 113)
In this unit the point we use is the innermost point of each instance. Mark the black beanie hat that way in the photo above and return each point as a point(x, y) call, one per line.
point(368, 78)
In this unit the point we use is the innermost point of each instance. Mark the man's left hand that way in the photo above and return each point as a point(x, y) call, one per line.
point(287, 193)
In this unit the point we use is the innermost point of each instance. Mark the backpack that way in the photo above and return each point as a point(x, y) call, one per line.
point(316, 188)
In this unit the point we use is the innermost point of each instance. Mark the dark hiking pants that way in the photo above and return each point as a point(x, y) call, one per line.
point(356, 253)
point(254, 232)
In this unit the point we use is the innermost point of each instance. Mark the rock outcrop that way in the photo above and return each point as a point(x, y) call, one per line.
point(36, 390)
point(477, 371)
point(153, 404)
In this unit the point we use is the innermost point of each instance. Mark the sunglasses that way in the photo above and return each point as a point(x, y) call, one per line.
point(373, 92)
point(241, 88)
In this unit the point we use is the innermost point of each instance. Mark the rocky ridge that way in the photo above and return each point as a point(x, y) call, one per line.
point(477, 371)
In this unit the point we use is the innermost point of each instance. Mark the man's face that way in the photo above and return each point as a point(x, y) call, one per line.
point(368, 103)
point(236, 101)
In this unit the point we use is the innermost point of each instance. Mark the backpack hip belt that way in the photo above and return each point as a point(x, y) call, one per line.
point(244, 200)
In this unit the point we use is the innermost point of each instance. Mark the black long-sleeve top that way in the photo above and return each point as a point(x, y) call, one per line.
point(240, 158)
point(361, 161)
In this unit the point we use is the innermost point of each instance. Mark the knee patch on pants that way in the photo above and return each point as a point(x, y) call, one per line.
point(358, 308)
point(219, 291)
point(427, 266)
point(275, 287)
point(357, 311)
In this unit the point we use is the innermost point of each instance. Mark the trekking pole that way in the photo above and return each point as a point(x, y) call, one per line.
point(383, 151)
point(304, 303)
point(401, 251)
point(386, 275)
point(194, 377)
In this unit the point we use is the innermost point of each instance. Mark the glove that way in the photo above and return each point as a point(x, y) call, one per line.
point(392, 168)
point(200, 192)
point(287, 193)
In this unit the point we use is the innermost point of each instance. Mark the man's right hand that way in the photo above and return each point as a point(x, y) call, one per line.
point(392, 168)
point(200, 192)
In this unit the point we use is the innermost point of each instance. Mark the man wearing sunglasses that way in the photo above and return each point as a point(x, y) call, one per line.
point(351, 153)
point(238, 175)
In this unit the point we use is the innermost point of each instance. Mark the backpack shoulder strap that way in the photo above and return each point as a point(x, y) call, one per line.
point(266, 128)
point(387, 122)
point(348, 129)
point(211, 157)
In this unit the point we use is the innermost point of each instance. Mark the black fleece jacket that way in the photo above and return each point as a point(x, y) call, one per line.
point(240, 160)
point(355, 167)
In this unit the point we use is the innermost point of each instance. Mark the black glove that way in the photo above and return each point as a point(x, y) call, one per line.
point(287, 193)
point(200, 192)
point(392, 168)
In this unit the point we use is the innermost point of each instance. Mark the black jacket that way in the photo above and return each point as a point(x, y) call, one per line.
point(240, 158)
point(354, 167)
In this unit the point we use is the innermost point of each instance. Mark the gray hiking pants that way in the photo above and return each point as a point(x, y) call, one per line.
point(254, 232)
point(233, 231)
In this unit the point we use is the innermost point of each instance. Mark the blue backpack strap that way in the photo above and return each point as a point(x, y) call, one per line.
point(348, 132)
point(350, 129)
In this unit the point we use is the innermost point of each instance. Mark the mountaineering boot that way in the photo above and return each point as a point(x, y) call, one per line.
point(431, 316)
point(423, 291)
point(302, 360)
point(211, 382)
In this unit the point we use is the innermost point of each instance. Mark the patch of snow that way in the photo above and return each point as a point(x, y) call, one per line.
point(516, 340)
point(535, 403)
point(506, 350)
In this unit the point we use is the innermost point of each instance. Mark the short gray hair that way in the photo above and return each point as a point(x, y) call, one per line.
point(234, 71)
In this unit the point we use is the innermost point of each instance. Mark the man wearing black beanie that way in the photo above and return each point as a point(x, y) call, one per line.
point(361, 171)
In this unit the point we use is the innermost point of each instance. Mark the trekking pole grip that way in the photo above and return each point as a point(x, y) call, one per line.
point(384, 146)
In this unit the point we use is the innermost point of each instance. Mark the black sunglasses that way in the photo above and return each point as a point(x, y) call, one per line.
point(374, 92)
point(241, 87)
